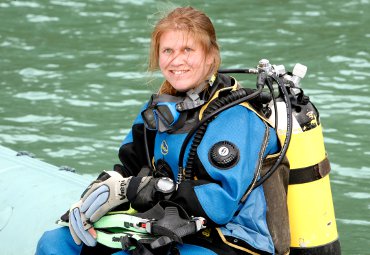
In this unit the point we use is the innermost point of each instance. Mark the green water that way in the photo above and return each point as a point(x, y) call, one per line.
point(73, 77)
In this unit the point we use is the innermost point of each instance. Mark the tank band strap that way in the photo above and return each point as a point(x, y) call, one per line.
point(310, 173)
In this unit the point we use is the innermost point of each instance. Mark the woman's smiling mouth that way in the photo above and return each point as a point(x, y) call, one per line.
point(179, 72)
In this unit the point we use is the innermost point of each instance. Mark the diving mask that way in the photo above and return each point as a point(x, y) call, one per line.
point(161, 116)
point(164, 111)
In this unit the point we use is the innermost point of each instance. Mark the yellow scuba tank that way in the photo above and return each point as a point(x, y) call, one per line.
point(311, 212)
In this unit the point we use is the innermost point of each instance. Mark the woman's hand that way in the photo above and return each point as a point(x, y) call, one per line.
point(109, 191)
point(79, 227)
point(102, 195)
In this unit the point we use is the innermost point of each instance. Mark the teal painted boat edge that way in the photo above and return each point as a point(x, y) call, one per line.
point(33, 196)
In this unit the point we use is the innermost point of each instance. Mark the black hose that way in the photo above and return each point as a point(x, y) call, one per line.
point(216, 104)
point(285, 146)
point(147, 149)
point(288, 133)
point(271, 89)
point(235, 98)
point(239, 70)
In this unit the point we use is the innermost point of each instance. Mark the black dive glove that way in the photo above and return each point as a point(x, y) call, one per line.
point(157, 189)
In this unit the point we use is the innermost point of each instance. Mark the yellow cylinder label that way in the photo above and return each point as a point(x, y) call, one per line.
point(311, 214)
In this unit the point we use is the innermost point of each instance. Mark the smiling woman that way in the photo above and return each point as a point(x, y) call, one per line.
point(216, 186)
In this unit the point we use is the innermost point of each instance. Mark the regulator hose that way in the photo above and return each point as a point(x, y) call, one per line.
point(217, 106)
point(288, 132)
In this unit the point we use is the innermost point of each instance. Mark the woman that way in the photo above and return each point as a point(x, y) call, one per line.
point(217, 168)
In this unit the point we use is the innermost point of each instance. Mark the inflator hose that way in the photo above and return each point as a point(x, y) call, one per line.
point(216, 104)
point(235, 98)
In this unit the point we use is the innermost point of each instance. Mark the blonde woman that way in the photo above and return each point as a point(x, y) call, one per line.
point(217, 164)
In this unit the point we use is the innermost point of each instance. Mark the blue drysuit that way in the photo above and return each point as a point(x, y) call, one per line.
point(228, 159)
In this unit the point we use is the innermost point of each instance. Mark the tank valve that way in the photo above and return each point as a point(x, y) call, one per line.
point(299, 71)
point(264, 66)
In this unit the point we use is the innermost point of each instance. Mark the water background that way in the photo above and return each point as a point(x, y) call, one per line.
point(73, 77)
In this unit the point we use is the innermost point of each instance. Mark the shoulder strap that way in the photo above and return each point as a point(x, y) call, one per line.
point(234, 87)
point(217, 95)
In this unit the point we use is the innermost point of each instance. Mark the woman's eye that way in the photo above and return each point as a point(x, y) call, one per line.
point(188, 49)
point(167, 51)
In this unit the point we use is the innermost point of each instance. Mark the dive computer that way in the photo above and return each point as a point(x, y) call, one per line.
point(165, 185)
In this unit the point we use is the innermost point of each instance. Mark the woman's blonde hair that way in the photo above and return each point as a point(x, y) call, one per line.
point(193, 21)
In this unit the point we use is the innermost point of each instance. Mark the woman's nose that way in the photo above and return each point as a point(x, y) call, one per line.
point(178, 59)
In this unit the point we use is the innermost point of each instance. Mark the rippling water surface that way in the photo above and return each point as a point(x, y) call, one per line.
point(73, 77)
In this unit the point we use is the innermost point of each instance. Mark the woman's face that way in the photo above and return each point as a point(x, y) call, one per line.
point(182, 60)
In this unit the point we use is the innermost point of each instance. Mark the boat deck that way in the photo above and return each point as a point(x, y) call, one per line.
point(33, 196)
